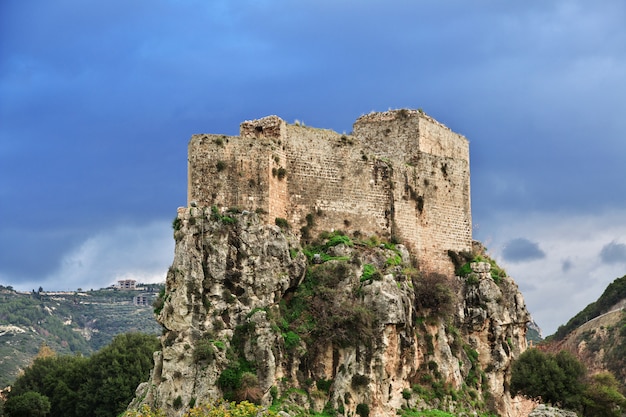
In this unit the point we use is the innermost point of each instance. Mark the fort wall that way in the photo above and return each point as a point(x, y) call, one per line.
point(399, 174)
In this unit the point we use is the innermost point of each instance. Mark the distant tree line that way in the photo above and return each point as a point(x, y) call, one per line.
point(75, 386)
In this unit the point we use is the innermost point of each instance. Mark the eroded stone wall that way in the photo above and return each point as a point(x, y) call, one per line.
point(399, 174)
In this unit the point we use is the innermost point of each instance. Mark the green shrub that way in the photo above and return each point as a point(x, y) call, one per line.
point(220, 165)
point(203, 350)
point(291, 339)
point(29, 404)
point(159, 302)
point(177, 224)
point(279, 173)
point(359, 380)
point(363, 410)
point(232, 379)
point(228, 220)
point(339, 239)
point(324, 384)
point(282, 223)
point(394, 260)
point(369, 271)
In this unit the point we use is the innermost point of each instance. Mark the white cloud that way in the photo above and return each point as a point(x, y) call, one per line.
point(572, 273)
point(140, 252)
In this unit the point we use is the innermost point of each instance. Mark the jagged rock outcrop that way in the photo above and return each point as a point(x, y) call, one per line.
point(543, 410)
point(351, 325)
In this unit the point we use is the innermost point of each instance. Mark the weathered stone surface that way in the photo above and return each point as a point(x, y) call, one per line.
point(230, 274)
point(546, 411)
point(377, 325)
point(399, 173)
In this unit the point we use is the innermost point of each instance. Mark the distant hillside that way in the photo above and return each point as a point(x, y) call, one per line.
point(69, 323)
point(597, 335)
point(609, 300)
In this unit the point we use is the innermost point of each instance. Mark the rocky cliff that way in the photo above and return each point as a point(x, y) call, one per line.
point(345, 324)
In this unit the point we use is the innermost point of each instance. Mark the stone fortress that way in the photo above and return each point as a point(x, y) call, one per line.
point(399, 175)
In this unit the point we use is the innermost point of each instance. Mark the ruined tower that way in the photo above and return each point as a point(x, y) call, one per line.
point(400, 174)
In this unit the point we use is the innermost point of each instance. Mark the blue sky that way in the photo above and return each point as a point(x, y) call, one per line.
point(99, 99)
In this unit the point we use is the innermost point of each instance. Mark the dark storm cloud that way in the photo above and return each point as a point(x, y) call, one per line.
point(521, 250)
point(99, 99)
point(613, 253)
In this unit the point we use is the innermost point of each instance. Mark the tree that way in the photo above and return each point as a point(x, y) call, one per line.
point(29, 404)
point(102, 385)
point(114, 372)
point(602, 397)
point(548, 378)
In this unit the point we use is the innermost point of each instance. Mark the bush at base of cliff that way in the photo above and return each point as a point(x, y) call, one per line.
point(101, 385)
point(217, 408)
point(555, 379)
point(29, 404)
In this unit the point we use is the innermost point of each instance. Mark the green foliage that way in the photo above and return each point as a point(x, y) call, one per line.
point(615, 356)
point(363, 410)
point(221, 408)
point(394, 260)
point(203, 350)
point(318, 314)
point(359, 380)
point(282, 223)
point(220, 166)
point(337, 239)
point(159, 302)
point(231, 378)
point(319, 248)
point(497, 273)
point(555, 379)
point(615, 292)
point(178, 403)
point(29, 404)
point(217, 408)
point(602, 397)
point(217, 216)
point(464, 270)
point(55, 321)
point(426, 413)
point(370, 272)
point(324, 384)
point(144, 411)
point(177, 224)
point(291, 339)
point(228, 220)
point(99, 386)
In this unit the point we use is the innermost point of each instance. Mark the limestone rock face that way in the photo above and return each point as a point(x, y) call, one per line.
point(246, 315)
point(546, 411)
point(495, 316)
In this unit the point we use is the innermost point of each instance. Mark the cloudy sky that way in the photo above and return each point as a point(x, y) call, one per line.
point(99, 99)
